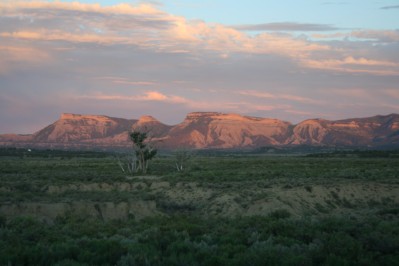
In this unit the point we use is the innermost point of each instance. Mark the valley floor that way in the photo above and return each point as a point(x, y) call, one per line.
point(71, 208)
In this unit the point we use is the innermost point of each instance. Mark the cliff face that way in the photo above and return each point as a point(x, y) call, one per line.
point(214, 130)
point(205, 130)
point(372, 131)
point(77, 128)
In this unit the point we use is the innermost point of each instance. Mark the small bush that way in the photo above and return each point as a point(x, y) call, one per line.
point(280, 214)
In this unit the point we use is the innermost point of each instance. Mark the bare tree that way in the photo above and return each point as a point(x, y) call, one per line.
point(182, 156)
point(128, 163)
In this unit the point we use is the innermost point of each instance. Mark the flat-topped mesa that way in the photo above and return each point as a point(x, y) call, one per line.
point(196, 115)
point(65, 116)
point(313, 121)
point(69, 116)
point(228, 118)
point(217, 130)
point(215, 116)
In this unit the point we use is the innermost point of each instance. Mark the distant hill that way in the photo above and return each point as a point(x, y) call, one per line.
point(203, 130)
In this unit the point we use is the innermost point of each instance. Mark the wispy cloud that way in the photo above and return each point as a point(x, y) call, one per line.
point(286, 26)
point(356, 65)
point(385, 36)
point(390, 7)
point(123, 9)
point(137, 58)
point(151, 97)
point(394, 93)
point(24, 56)
point(147, 27)
point(353, 93)
point(378, 35)
point(258, 94)
point(283, 96)
point(126, 81)
point(146, 96)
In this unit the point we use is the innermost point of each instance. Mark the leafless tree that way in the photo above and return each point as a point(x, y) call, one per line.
point(128, 163)
point(182, 156)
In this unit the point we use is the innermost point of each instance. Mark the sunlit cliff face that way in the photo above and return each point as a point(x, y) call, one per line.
point(213, 130)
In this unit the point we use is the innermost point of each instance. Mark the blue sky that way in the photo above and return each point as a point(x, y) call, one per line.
point(352, 14)
point(290, 60)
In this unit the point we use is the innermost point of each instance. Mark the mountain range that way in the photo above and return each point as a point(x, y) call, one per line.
point(203, 130)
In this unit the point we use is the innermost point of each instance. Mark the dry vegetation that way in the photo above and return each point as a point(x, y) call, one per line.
point(333, 209)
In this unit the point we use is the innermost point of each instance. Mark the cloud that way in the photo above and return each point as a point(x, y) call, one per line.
point(126, 81)
point(357, 93)
point(143, 26)
point(46, 35)
point(257, 94)
point(146, 96)
point(393, 93)
point(390, 7)
point(139, 59)
point(11, 56)
point(356, 65)
point(286, 26)
point(269, 107)
point(122, 9)
point(289, 97)
point(385, 36)
point(378, 35)
point(226, 105)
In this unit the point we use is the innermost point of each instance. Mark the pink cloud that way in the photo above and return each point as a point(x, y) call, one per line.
point(356, 92)
point(146, 96)
point(377, 35)
point(381, 35)
point(154, 96)
point(125, 81)
point(57, 35)
point(394, 93)
point(9, 55)
point(257, 94)
point(175, 34)
point(123, 9)
point(355, 65)
point(290, 97)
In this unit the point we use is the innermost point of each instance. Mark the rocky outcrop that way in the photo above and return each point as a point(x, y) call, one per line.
point(77, 128)
point(218, 130)
point(372, 131)
point(212, 130)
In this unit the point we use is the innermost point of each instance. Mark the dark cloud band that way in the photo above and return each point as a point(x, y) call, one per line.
point(286, 26)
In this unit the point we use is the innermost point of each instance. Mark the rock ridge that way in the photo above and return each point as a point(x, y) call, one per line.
point(203, 130)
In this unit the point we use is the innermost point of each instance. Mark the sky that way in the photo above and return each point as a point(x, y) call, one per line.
point(291, 60)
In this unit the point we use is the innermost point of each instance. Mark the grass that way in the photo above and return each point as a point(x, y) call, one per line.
point(28, 175)
point(193, 228)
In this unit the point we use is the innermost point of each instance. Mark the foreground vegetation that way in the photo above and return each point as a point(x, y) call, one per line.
point(182, 240)
point(235, 209)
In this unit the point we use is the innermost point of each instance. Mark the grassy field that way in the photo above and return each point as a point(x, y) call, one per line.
point(79, 208)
